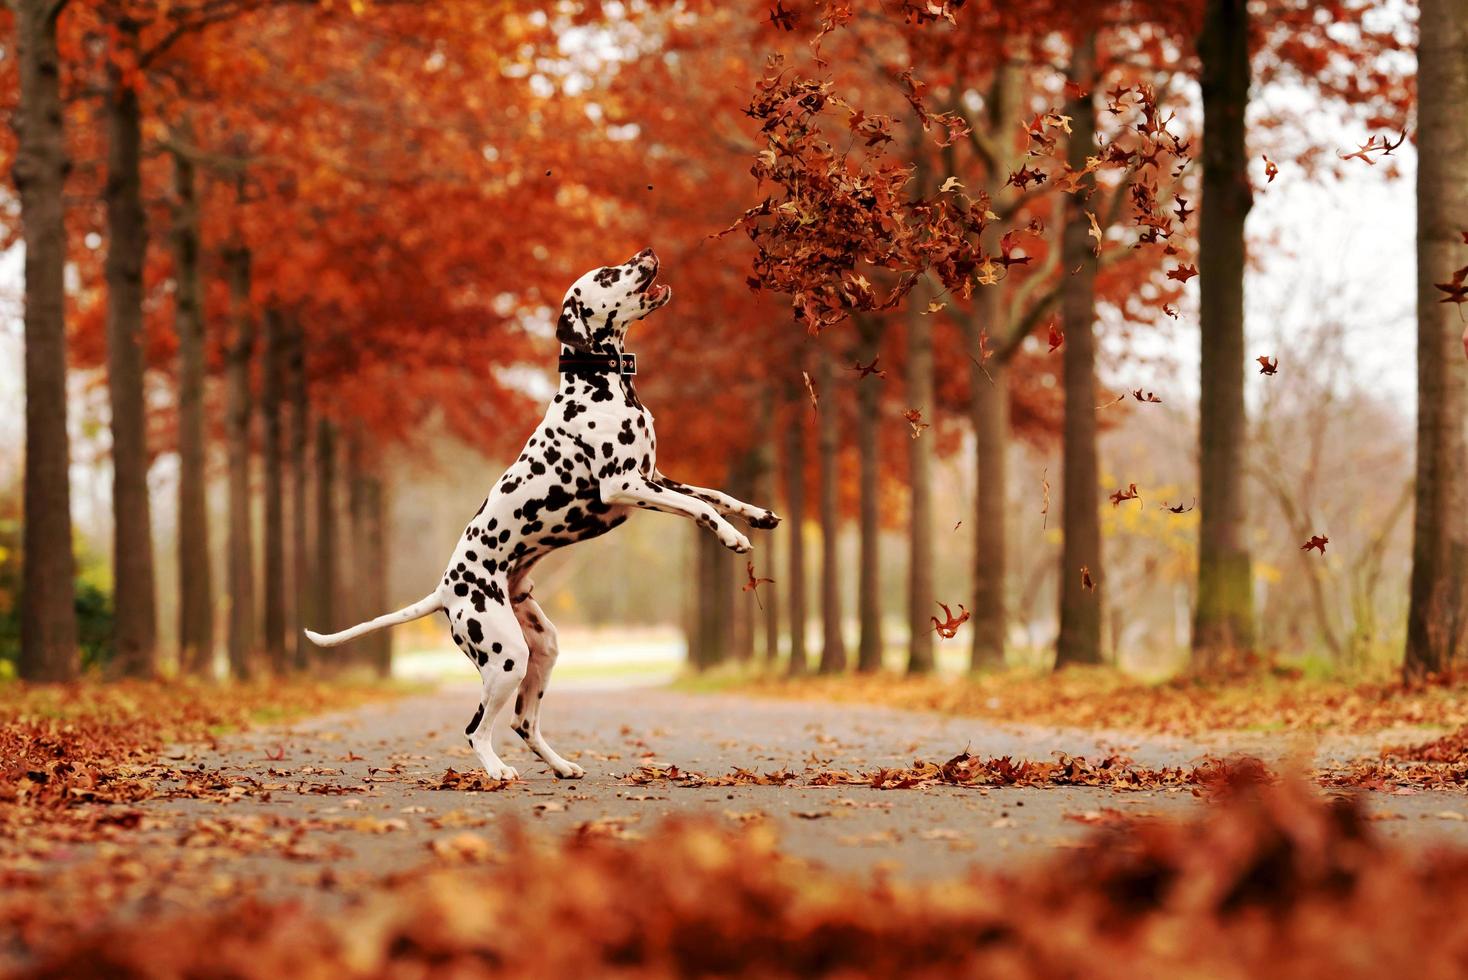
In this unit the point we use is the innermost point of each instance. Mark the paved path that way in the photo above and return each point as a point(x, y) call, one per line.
point(378, 757)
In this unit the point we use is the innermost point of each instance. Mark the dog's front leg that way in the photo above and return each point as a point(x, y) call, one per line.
point(722, 502)
point(631, 490)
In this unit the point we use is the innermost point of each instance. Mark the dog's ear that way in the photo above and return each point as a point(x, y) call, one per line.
point(572, 328)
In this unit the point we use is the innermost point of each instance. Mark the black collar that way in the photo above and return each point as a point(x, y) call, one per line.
point(623, 364)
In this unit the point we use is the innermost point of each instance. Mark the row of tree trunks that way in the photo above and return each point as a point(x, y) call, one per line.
point(769, 593)
point(1081, 580)
point(869, 564)
point(48, 648)
point(1437, 618)
point(241, 577)
point(367, 578)
point(195, 574)
point(1224, 620)
point(323, 605)
point(135, 626)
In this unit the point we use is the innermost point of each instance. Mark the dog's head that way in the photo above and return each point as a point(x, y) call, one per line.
point(601, 304)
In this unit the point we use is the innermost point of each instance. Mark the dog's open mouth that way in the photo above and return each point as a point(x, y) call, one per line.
point(657, 293)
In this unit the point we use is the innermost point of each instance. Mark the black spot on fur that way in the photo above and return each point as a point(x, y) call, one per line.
point(474, 722)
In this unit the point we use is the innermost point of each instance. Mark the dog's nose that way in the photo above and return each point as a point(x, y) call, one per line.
point(646, 253)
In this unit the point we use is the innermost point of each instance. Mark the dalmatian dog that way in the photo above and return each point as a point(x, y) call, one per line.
point(589, 464)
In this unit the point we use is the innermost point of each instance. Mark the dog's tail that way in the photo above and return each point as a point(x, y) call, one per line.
point(430, 603)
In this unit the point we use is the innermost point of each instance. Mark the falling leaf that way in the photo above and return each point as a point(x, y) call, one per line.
point(1087, 582)
point(1267, 365)
point(914, 418)
point(1095, 233)
point(1148, 397)
point(1057, 336)
point(1183, 273)
point(810, 390)
point(1181, 508)
point(948, 627)
point(1130, 493)
point(1375, 144)
point(753, 583)
point(951, 184)
point(867, 370)
point(1271, 171)
point(935, 307)
point(1045, 490)
point(1317, 541)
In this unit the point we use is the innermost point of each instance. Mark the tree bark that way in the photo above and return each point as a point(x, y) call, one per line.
point(274, 583)
point(195, 575)
point(379, 650)
point(768, 482)
point(48, 630)
point(324, 600)
point(1224, 621)
point(868, 447)
point(990, 410)
point(1079, 641)
point(743, 622)
point(920, 598)
point(1438, 605)
point(300, 539)
point(135, 624)
point(241, 565)
point(833, 646)
point(795, 520)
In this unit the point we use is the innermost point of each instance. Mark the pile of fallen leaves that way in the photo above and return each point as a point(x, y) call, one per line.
point(1107, 699)
point(967, 769)
point(1273, 881)
point(62, 747)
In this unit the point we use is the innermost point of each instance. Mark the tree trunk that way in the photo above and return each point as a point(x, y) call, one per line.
point(274, 581)
point(300, 539)
point(990, 408)
point(195, 586)
point(379, 644)
point(712, 607)
point(135, 624)
point(768, 482)
point(745, 482)
point(1080, 607)
point(833, 646)
point(241, 639)
point(1224, 621)
point(324, 602)
point(868, 448)
point(795, 520)
point(48, 632)
point(920, 597)
point(1438, 608)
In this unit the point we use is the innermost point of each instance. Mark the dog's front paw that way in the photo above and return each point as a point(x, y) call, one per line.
point(734, 541)
point(502, 772)
point(766, 520)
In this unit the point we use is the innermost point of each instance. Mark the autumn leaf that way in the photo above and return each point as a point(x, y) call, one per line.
point(1095, 233)
point(1317, 541)
point(948, 627)
point(752, 583)
point(1057, 336)
point(1181, 508)
point(1376, 144)
point(1087, 583)
point(914, 418)
point(1045, 492)
point(1130, 493)
point(1271, 170)
point(1267, 365)
point(810, 390)
point(867, 370)
point(1183, 273)
point(1148, 397)
point(951, 184)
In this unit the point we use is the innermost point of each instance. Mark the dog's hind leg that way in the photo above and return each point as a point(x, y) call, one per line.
point(540, 637)
point(489, 634)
